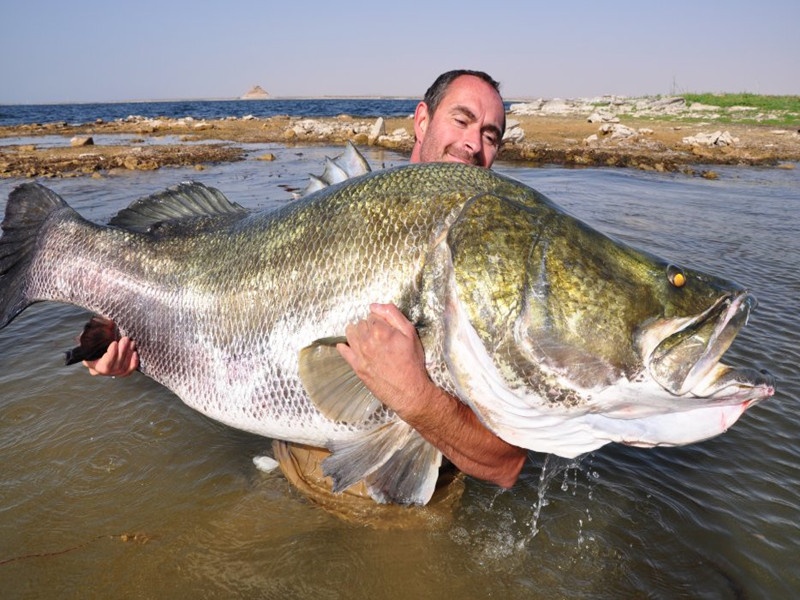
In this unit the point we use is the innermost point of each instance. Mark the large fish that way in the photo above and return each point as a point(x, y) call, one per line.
point(559, 338)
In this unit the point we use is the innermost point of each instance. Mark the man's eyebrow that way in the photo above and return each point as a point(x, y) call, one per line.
point(459, 108)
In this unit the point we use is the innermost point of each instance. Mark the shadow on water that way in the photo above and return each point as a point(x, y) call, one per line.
point(116, 489)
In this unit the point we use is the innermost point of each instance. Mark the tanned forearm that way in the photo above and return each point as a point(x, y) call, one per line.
point(457, 432)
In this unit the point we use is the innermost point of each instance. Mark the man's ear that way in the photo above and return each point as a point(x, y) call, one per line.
point(421, 120)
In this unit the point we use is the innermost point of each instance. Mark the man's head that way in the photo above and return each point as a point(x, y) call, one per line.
point(461, 119)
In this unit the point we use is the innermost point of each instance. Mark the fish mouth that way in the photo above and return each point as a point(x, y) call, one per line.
point(683, 355)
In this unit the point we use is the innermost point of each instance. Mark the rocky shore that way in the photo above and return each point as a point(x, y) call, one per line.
point(664, 134)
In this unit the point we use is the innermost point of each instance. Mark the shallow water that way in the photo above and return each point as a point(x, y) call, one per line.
point(113, 488)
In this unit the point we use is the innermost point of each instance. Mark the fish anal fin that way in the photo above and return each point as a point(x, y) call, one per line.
point(331, 384)
point(94, 340)
point(409, 476)
point(395, 462)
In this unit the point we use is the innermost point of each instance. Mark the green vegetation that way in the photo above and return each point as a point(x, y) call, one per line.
point(763, 103)
point(781, 111)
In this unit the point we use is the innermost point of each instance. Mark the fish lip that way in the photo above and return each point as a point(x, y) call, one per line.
point(687, 360)
point(745, 385)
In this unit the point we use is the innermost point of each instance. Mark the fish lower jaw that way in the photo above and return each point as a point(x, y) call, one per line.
point(726, 385)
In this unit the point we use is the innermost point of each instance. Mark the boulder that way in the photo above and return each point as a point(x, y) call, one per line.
point(378, 129)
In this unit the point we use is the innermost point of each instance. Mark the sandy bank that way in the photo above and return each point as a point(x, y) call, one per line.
point(567, 140)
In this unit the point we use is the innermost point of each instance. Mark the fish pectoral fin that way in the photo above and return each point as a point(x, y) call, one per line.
point(396, 463)
point(94, 340)
point(332, 385)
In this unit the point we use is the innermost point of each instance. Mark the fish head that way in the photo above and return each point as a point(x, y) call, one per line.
point(569, 321)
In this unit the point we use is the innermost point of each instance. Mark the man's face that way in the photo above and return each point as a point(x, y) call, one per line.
point(466, 127)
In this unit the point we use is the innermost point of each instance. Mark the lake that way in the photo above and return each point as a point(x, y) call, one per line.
point(115, 489)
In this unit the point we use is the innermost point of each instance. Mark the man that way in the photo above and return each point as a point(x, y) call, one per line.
point(460, 119)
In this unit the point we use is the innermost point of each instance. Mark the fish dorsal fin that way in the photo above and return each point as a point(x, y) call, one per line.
point(332, 385)
point(351, 163)
point(188, 201)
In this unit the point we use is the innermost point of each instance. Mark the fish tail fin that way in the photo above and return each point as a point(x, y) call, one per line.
point(28, 209)
point(395, 462)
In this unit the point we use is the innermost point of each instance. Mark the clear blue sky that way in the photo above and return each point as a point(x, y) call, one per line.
point(86, 50)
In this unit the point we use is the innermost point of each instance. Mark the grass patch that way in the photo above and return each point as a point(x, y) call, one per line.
point(763, 109)
point(767, 103)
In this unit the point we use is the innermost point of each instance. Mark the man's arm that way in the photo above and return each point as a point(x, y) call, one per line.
point(384, 350)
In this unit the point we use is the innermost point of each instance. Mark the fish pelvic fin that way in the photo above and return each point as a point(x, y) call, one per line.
point(331, 384)
point(28, 210)
point(187, 206)
point(396, 463)
point(94, 340)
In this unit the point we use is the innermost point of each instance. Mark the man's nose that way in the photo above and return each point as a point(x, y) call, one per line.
point(473, 144)
point(472, 140)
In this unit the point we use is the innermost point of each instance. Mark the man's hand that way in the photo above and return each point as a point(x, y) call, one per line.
point(385, 352)
point(120, 360)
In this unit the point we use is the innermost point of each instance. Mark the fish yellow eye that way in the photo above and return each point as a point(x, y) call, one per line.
point(676, 276)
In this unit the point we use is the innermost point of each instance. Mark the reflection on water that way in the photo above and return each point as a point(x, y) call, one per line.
point(113, 488)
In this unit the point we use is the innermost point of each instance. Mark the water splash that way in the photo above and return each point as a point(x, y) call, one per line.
point(552, 467)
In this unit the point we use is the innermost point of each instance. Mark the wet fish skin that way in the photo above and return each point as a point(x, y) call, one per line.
point(543, 326)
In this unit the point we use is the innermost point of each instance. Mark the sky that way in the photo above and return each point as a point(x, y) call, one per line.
point(102, 51)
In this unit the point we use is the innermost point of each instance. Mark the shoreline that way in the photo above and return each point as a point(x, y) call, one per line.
point(674, 143)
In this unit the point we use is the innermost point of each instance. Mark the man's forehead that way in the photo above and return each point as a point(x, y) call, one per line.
point(472, 100)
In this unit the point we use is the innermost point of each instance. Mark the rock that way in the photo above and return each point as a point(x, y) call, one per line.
point(604, 117)
point(698, 107)
point(378, 129)
point(81, 140)
point(617, 131)
point(514, 133)
point(718, 138)
point(269, 156)
point(255, 93)
point(556, 106)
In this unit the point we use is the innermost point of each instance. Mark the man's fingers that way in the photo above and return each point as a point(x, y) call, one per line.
point(120, 359)
point(392, 315)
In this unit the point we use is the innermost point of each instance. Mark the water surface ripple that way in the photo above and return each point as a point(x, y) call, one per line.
point(113, 488)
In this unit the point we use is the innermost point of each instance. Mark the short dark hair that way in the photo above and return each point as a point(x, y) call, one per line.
point(435, 94)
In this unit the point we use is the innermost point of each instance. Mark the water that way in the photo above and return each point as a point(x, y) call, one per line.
point(74, 114)
point(113, 488)
point(17, 114)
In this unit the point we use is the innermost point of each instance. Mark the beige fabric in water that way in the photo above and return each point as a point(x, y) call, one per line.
point(302, 466)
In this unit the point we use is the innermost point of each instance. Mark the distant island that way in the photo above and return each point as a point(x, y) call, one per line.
point(256, 93)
